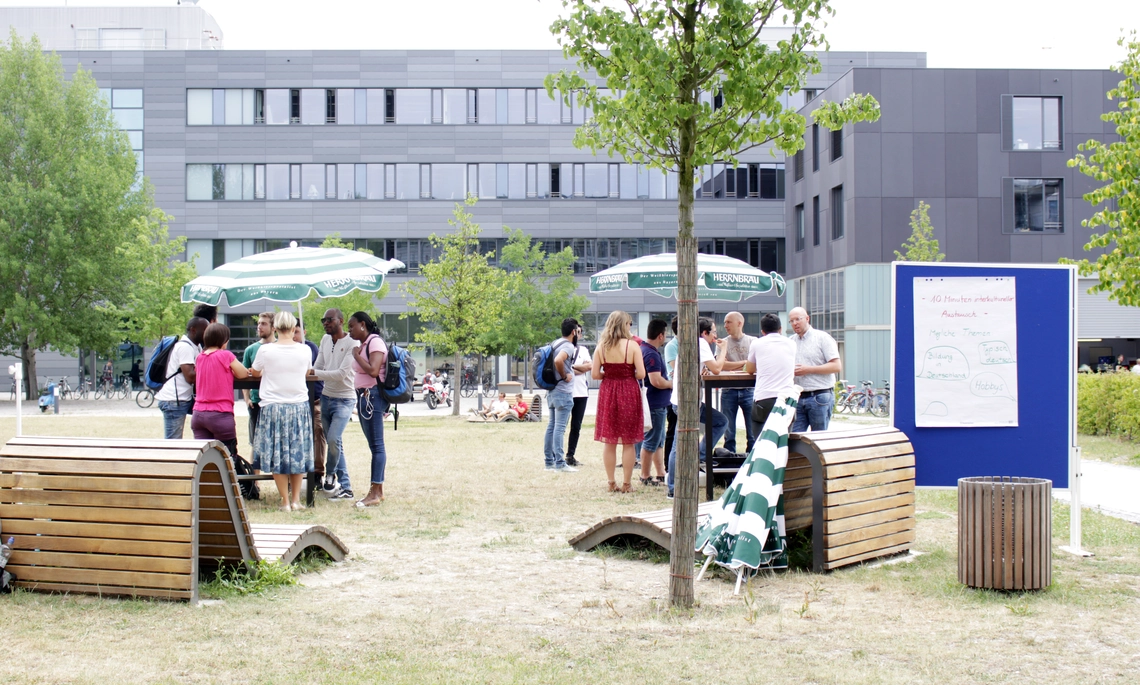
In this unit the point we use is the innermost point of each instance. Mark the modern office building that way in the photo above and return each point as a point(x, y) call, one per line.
point(172, 27)
point(988, 151)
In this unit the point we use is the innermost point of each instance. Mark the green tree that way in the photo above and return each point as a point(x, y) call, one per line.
point(540, 293)
point(76, 230)
point(459, 296)
point(657, 58)
point(1117, 166)
point(154, 307)
point(313, 307)
point(921, 246)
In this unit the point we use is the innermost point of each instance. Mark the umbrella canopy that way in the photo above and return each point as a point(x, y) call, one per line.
point(746, 528)
point(289, 274)
point(718, 277)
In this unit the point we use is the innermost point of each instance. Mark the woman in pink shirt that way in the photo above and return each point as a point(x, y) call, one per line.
point(368, 364)
point(217, 368)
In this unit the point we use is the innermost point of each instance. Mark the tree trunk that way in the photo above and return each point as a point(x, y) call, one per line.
point(28, 357)
point(456, 382)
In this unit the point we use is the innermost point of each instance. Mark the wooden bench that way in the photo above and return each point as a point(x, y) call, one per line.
point(854, 489)
point(133, 517)
point(533, 411)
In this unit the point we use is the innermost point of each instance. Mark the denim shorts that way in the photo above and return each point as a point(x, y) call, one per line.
point(655, 436)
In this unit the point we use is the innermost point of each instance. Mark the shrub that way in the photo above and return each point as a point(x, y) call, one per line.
point(1108, 404)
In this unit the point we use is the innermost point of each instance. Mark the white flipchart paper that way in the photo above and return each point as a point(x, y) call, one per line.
point(965, 352)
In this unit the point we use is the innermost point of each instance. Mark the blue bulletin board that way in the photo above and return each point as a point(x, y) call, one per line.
point(1039, 445)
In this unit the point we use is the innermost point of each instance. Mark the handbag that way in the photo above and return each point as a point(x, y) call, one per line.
point(646, 418)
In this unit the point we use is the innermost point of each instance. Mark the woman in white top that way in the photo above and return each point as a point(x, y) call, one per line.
point(283, 444)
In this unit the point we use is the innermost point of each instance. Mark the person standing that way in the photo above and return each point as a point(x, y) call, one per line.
point(334, 367)
point(581, 392)
point(215, 370)
point(658, 389)
point(817, 363)
point(670, 356)
point(314, 404)
point(368, 367)
point(733, 399)
point(772, 357)
point(264, 337)
point(619, 366)
point(560, 400)
point(710, 364)
point(176, 397)
point(284, 442)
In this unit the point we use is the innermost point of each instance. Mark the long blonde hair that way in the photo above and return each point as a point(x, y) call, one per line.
point(615, 330)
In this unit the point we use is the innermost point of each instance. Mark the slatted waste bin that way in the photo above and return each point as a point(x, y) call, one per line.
point(1005, 528)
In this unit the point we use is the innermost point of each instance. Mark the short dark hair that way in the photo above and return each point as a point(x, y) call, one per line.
point(217, 335)
point(656, 327)
point(196, 322)
point(206, 311)
point(673, 325)
point(369, 324)
point(704, 325)
point(569, 325)
point(770, 323)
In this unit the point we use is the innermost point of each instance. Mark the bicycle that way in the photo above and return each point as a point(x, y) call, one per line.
point(842, 396)
point(65, 391)
point(860, 401)
point(104, 387)
point(145, 398)
point(83, 389)
point(123, 388)
point(882, 403)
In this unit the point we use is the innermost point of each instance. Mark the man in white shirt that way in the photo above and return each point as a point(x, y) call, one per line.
point(710, 364)
point(334, 367)
point(772, 357)
point(583, 362)
point(817, 363)
point(176, 397)
point(736, 399)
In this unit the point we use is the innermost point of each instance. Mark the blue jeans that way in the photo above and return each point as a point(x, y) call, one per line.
point(732, 401)
point(719, 422)
point(370, 407)
point(813, 411)
point(174, 417)
point(561, 405)
point(655, 436)
point(335, 413)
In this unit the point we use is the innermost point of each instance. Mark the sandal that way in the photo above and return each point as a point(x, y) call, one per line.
point(368, 503)
point(647, 481)
point(613, 487)
point(625, 488)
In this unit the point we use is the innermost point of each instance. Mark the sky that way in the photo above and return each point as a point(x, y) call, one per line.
point(967, 34)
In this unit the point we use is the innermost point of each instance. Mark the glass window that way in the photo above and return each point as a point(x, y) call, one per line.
point(312, 106)
point(516, 187)
point(248, 105)
point(487, 105)
point(643, 174)
point(815, 147)
point(1036, 123)
point(836, 144)
point(578, 113)
point(407, 182)
point(276, 106)
point(837, 212)
point(425, 181)
point(127, 97)
point(516, 106)
point(448, 181)
point(488, 181)
point(502, 172)
point(798, 165)
point(129, 118)
point(579, 182)
point(330, 181)
point(815, 220)
point(247, 179)
point(375, 181)
point(627, 182)
point(544, 180)
point(136, 138)
point(346, 181)
point(549, 109)
point(1037, 204)
point(389, 181)
point(276, 181)
point(199, 107)
point(437, 106)
point(413, 106)
point(375, 106)
point(597, 180)
point(259, 182)
point(360, 99)
point(613, 180)
point(346, 106)
point(233, 181)
point(312, 181)
point(219, 106)
point(472, 106)
point(360, 182)
point(218, 182)
point(531, 105)
point(233, 106)
point(294, 181)
point(455, 106)
point(799, 218)
point(199, 181)
point(502, 106)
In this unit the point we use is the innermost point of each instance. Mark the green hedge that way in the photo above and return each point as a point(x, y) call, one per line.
point(1108, 403)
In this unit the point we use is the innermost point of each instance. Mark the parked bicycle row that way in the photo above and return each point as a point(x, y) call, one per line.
point(866, 399)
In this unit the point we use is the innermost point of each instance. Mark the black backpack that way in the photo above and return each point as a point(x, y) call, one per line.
point(249, 489)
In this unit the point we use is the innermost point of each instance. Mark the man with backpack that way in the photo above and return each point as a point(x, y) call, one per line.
point(560, 399)
point(176, 398)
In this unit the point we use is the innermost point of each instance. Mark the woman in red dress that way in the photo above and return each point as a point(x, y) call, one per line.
point(618, 364)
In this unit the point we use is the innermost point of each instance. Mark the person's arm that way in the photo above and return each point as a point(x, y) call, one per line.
point(733, 366)
point(716, 364)
point(749, 367)
point(560, 367)
point(832, 366)
point(658, 381)
point(240, 372)
point(596, 367)
point(584, 365)
point(189, 373)
point(638, 363)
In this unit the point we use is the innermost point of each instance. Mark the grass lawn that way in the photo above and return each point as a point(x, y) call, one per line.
point(1110, 448)
point(464, 576)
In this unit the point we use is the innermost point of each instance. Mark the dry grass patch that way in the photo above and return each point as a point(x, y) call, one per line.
point(464, 575)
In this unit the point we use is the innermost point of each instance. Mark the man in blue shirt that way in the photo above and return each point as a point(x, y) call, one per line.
point(560, 400)
point(658, 389)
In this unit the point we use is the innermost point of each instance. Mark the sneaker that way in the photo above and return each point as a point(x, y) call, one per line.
point(571, 461)
point(330, 484)
point(669, 495)
point(549, 467)
point(334, 493)
point(566, 468)
point(344, 494)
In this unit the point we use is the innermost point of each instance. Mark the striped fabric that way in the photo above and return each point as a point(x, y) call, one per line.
point(746, 529)
point(289, 274)
point(718, 277)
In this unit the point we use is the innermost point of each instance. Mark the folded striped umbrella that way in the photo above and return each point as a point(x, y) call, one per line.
point(718, 277)
point(746, 528)
point(289, 275)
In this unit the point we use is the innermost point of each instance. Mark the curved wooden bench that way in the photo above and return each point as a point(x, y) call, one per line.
point(132, 517)
point(655, 526)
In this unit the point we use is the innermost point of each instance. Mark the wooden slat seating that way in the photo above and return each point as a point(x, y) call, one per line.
point(533, 412)
point(854, 489)
point(132, 517)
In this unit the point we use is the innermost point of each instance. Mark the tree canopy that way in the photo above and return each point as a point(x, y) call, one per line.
point(1117, 165)
point(81, 248)
point(921, 246)
point(689, 83)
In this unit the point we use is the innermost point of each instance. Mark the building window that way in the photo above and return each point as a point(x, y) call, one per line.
point(313, 106)
point(798, 165)
point(815, 147)
point(837, 212)
point(810, 93)
point(823, 297)
point(836, 144)
point(1033, 205)
point(799, 228)
point(1031, 123)
point(815, 220)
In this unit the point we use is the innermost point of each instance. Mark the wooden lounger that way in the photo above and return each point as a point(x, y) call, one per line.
point(133, 517)
point(655, 526)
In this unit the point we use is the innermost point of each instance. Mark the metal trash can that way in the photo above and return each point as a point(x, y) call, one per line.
point(1005, 532)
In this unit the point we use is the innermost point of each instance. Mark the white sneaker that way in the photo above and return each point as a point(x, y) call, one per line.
point(566, 469)
point(329, 482)
point(335, 492)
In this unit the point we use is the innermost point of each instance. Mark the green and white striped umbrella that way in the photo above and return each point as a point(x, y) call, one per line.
point(289, 274)
point(718, 277)
point(746, 528)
